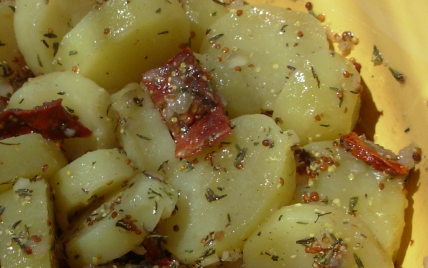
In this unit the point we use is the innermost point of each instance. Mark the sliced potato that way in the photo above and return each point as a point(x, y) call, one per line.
point(264, 42)
point(241, 99)
point(377, 198)
point(91, 176)
point(313, 236)
point(40, 26)
point(321, 99)
point(81, 97)
point(26, 228)
point(202, 14)
point(142, 132)
point(228, 189)
point(117, 42)
point(29, 156)
point(121, 224)
point(11, 61)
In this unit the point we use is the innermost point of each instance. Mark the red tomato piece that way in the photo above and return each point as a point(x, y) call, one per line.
point(193, 112)
point(4, 100)
point(363, 151)
point(51, 120)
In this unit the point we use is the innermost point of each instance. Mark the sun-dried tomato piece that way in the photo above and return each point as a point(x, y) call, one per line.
point(193, 112)
point(363, 151)
point(4, 100)
point(51, 120)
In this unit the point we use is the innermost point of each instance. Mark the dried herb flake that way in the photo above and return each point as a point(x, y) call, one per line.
point(377, 58)
point(211, 196)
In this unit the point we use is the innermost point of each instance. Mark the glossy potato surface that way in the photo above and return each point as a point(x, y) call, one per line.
point(220, 203)
point(288, 236)
point(377, 198)
point(262, 42)
point(27, 227)
point(321, 98)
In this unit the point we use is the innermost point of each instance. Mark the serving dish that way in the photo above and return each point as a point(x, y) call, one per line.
point(394, 114)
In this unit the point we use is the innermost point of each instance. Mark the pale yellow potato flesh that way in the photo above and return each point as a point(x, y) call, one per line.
point(27, 222)
point(141, 131)
point(40, 157)
point(321, 98)
point(10, 56)
point(89, 178)
point(102, 235)
point(262, 42)
point(381, 201)
point(117, 42)
point(40, 26)
point(278, 241)
point(81, 97)
point(202, 14)
point(221, 204)
point(240, 98)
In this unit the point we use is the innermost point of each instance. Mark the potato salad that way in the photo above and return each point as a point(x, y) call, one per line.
point(192, 133)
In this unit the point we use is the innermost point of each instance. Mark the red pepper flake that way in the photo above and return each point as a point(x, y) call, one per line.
point(265, 142)
point(239, 12)
point(36, 238)
point(346, 74)
point(315, 196)
point(28, 250)
point(114, 215)
point(417, 155)
point(204, 122)
point(361, 150)
point(51, 120)
point(176, 228)
point(45, 167)
point(4, 100)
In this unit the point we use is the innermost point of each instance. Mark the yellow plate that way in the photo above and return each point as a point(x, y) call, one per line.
point(393, 114)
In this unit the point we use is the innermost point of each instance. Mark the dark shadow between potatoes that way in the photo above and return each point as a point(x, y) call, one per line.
point(369, 114)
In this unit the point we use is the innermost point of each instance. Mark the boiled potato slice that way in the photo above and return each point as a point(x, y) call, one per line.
point(228, 189)
point(114, 44)
point(202, 14)
point(142, 132)
point(91, 176)
point(292, 235)
point(26, 228)
point(232, 87)
point(121, 224)
point(40, 26)
point(377, 198)
point(264, 42)
point(29, 156)
point(81, 97)
point(320, 99)
point(11, 61)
